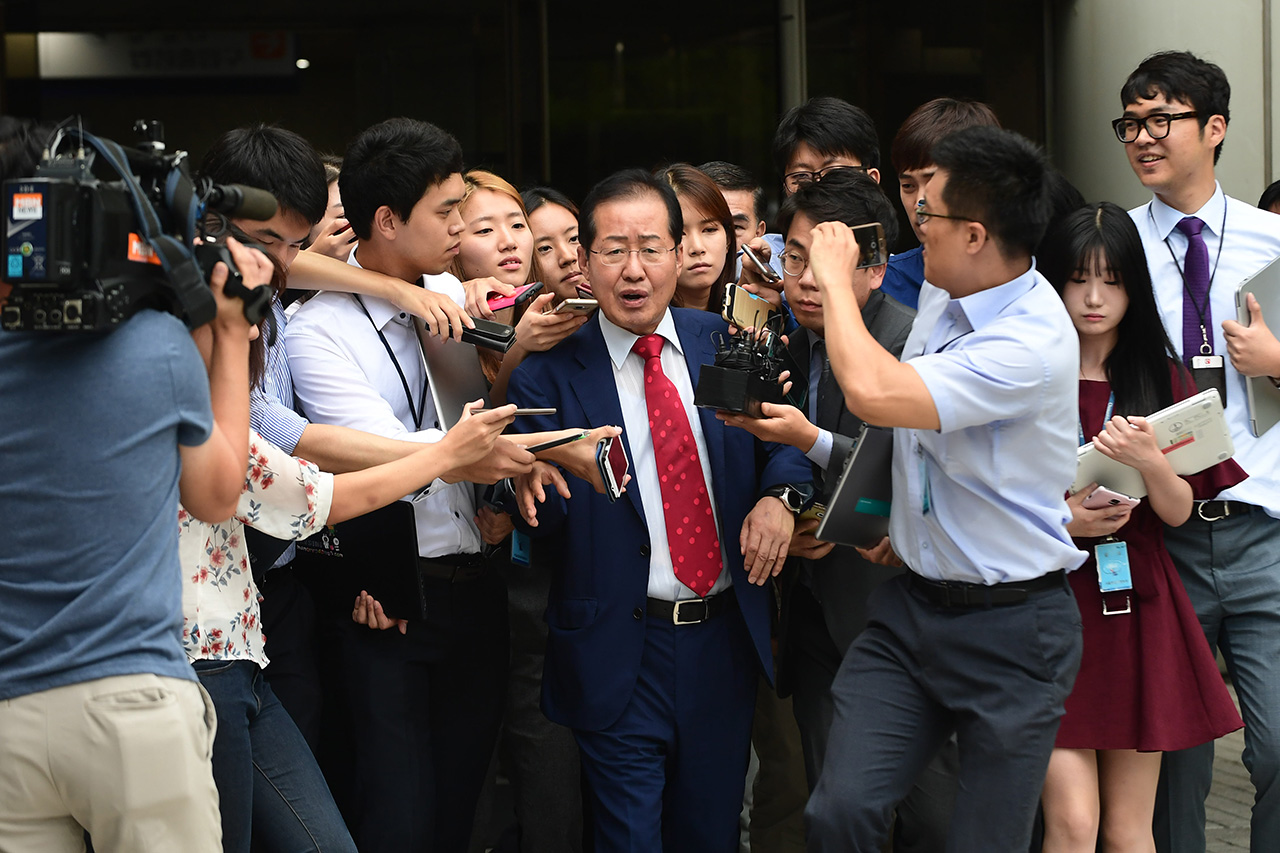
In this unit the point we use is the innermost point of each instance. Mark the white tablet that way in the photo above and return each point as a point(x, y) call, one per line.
point(1193, 434)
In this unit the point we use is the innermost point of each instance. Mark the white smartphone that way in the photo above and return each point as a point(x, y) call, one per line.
point(575, 306)
point(1102, 498)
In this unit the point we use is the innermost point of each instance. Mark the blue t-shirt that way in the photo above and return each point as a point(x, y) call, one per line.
point(903, 277)
point(90, 584)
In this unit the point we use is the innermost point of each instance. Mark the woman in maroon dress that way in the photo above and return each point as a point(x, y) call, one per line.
point(1148, 681)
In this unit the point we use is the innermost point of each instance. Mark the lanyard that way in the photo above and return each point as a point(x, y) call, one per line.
point(1111, 405)
point(414, 412)
point(1206, 348)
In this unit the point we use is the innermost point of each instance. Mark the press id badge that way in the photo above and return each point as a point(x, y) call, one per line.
point(1209, 371)
point(1113, 566)
point(521, 553)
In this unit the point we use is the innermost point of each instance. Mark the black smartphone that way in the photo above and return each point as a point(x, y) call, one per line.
point(518, 411)
point(488, 334)
point(611, 458)
point(760, 266)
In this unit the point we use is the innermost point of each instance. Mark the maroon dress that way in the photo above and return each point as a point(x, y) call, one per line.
point(1148, 680)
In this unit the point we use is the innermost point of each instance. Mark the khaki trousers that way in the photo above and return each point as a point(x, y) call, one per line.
point(126, 758)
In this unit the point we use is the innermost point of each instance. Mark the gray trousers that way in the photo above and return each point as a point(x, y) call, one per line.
point(995, 677)
point(1231, 570)
point(925, 813)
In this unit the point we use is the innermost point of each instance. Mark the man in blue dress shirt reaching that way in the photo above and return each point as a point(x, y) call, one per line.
point(982, 636)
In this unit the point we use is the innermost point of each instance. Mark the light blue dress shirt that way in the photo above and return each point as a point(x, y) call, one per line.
point(981, 499)
point(1250, 241)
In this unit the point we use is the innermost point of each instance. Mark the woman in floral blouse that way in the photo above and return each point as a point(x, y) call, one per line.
point(269, 785)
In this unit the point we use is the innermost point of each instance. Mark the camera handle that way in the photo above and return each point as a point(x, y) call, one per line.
point(257, 300)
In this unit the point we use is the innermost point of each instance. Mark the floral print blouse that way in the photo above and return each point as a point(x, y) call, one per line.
point(284, 497)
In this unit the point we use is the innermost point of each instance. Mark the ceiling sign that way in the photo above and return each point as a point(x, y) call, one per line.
point(211, 54)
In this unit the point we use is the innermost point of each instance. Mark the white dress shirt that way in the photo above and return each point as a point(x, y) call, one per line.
point(342, 375)
point(981, 498)
point(1250, 241)
point(628, 375)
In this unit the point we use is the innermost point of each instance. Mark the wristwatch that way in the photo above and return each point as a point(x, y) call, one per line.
point(790, 496)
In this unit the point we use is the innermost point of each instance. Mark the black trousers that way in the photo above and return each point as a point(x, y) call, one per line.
point(425, 710)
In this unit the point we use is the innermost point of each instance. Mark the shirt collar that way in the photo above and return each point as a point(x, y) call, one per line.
point(1166, 218)
point(380, 310)
point(619, 341)
point(984, 306)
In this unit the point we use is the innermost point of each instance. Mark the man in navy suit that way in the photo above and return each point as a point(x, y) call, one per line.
point(659, 611)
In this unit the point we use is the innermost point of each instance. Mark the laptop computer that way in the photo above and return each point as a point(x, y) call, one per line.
point(1193, 434)
point(1263, 396)
point(454, 376)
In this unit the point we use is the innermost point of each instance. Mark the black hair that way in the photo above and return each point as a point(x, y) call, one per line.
point(1182, 76)
point(844, 195)
point(998, 178)
point(273, 159)
point(1270, 196)
point(22, 140)
point(1064, 199)
point(734, 178)
point(929, 123)
point(394, 163)
point(1102, 238)
point(536, 197)
point(829, 126)
point(628, 184)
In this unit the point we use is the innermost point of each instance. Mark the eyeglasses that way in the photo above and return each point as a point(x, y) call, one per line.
point(923, 216)
point(795, 180)
point(1156, 124)
point(650, 256)
point(793, 264)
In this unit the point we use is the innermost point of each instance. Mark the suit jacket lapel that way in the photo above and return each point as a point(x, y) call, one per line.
point(597, 393)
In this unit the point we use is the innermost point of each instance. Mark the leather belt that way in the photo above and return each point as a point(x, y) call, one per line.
point(454, 568)
point(1218, 510)
point(691, 611)
point(974, 595)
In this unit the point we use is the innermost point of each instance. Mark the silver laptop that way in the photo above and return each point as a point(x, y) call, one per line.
point(858, 512)
point(1264, 397)
point(453, 375)
point(1193, 435)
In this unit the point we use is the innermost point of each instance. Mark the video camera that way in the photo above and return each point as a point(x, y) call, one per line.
point(85, 253)
point(747, 365)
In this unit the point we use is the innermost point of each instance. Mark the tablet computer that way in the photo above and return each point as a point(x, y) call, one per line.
point(858, 512)
point(1263, 396)
point(1193, 435)
point(454, 376)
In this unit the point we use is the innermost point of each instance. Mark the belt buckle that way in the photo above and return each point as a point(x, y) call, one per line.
point(1200, 505)
point(678, 619)
point(1128, 607)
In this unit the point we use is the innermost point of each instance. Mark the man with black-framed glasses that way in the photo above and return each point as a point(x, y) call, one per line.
point(1200, 245)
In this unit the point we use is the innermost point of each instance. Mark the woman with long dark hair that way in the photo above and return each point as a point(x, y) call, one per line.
point(553, 219)
point(710, 246)
point(1148, 682)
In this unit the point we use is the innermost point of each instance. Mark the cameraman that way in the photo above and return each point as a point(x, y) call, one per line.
point(103, 726)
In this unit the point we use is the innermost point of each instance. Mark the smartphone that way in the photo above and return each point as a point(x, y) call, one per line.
point(584, 291)
point(611, 459)
point(815, 512)
point(523, 294)
point(870, 239)
point(760, 266)
point(1102, 498)
point(519, 411)
point(576, 306)
point(556, 442)
point(745, 310)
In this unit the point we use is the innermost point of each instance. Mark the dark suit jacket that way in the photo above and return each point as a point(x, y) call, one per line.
point(596, 612)
point(841, 580)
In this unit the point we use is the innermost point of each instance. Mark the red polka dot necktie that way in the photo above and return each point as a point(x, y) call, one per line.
point(691, 526)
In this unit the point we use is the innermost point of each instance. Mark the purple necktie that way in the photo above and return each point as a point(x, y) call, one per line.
point(1195, 278)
